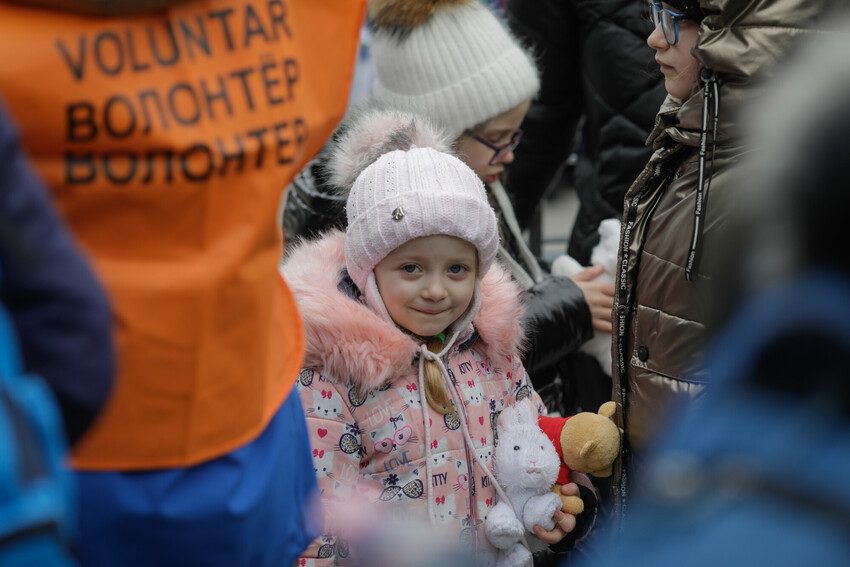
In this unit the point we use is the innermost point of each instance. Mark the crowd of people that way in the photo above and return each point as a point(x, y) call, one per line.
point(196, 373)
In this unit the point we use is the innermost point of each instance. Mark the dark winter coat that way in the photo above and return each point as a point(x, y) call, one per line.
point(660, 316)
point(595, 63)
point(58, 307)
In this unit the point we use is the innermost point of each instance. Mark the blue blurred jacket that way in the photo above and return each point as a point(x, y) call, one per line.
point(755, 473)
point(57, 305)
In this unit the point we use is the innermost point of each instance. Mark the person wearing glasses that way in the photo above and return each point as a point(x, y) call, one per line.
point(677, 210)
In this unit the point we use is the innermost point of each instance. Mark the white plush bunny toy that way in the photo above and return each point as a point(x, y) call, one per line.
point(526, 467)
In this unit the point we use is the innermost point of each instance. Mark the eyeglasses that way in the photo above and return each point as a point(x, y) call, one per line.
point(499, 151)
point(667, 19)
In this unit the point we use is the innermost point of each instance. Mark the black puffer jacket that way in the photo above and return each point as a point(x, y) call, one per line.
point(557, 317)
point(595, 64)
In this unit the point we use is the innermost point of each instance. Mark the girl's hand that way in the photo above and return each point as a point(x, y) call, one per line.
point(564, 523)
point(599, 297)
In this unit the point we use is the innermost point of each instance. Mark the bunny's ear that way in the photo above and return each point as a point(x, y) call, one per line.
point(505, 419)
point(525, 413)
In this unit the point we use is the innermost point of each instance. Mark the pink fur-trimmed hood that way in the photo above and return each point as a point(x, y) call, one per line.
point(350, 341)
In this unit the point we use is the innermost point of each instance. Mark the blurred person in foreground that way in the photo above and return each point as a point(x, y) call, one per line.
point(678, 209)
point(752, 474)
point(165, 131)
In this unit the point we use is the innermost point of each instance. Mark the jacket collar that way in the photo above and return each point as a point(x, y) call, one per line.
point(352, 342)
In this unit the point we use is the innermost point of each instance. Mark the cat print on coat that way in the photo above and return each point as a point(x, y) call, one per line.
point(410, 394)
point(394, 435)
point(439, 451)
point(327, 403)
point(445, 508)
point(472, 392)
point(323, 463)
point(400, 487)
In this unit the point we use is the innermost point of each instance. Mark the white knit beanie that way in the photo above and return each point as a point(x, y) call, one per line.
point(406, 193)
point(460, 67)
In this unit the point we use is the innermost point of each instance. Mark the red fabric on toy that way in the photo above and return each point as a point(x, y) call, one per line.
point(552, 427)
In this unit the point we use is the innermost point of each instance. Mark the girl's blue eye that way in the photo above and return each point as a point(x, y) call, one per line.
point(457, 269)
point(409, 268)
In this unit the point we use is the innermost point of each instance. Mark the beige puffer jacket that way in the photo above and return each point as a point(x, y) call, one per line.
point(661, 306)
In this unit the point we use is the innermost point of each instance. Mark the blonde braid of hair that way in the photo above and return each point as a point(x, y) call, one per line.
point(435, 388)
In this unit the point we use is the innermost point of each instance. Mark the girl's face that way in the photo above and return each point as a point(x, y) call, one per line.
point(498, 131)
point(679, 66)
point(427, 283)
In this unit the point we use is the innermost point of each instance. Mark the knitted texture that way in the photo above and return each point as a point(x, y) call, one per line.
point(410, 194)
point(460, 68)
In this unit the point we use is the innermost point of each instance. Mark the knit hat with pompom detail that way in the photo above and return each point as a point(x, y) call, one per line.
point(453, 61)
point(408, 192)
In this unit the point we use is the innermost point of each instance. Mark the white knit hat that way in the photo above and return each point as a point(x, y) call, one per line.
point(460, 67)
point(408, 195)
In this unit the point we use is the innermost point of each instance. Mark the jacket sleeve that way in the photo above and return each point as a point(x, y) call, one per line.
point(550, 29)
point(557, 321)
point(57, 305)
point(336, 447)
point(312, 206)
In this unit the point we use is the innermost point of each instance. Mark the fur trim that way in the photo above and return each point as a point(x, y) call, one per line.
point(372, 132)
point(400, 16)
point(349, 341)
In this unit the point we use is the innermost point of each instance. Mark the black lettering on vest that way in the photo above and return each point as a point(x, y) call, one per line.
point(221, 95)
point(197, 155)
point(194, 112)
point(75, 65)
point(110, 64)
point(80, 122)
point(117, 123)
point(126, 169)
point(136, 63)
point(150, 161)
point(159, 107)
point(79, 169)
point(197, 37)
point(292, 73)
point(173, 50)
point(270, 81)
point(277, 13)
point(228, 156)
point(222, 16)
point(253, 26)
point(242, 75)
point(258, 134)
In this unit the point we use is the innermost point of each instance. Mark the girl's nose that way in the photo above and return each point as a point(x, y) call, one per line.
point(435, 289)
point(656, 40)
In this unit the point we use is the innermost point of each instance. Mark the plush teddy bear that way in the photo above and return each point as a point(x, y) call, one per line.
point(585, 442)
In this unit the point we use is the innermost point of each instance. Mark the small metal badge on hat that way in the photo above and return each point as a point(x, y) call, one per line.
point(398, 214)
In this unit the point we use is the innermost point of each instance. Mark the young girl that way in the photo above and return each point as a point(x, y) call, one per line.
point(413, 338)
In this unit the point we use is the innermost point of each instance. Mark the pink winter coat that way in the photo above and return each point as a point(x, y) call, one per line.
point(365, 414)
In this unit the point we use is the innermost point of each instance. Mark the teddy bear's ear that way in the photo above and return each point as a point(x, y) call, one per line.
point(608, 409)
point(588, 448)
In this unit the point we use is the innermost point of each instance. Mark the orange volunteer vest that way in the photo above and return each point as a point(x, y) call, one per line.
point(167, 138)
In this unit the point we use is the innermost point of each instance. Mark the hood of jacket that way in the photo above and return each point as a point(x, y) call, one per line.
point(741, 41)
point(349, 340)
